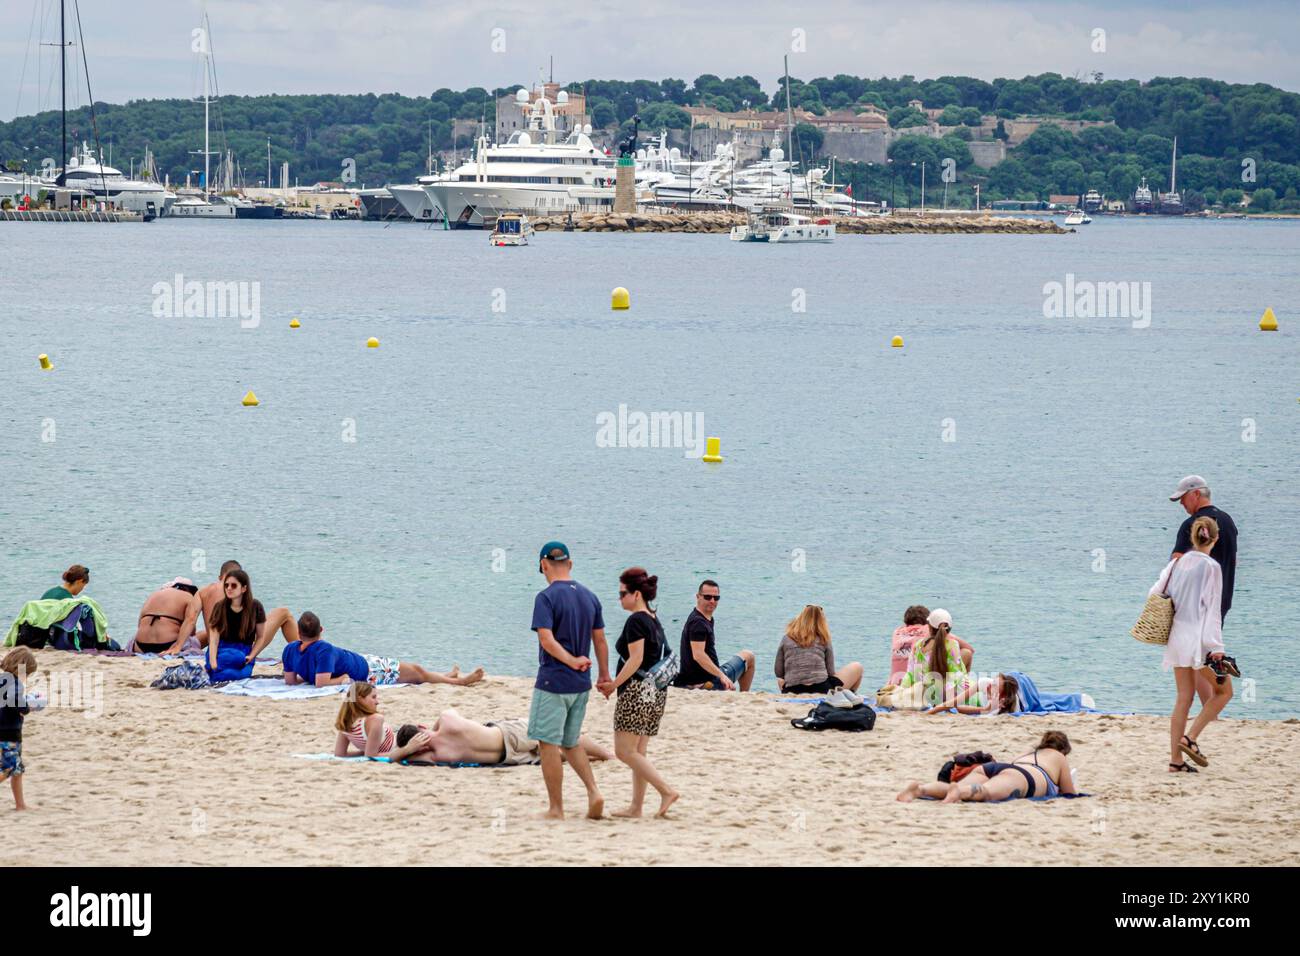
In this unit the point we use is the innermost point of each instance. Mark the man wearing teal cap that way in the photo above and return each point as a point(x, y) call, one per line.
point(568, 622)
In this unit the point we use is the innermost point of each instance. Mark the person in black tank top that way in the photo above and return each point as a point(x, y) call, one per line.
point(640, 703)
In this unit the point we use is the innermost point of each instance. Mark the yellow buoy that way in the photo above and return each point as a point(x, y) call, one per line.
point(896, 341)
point(1269, 322)
point(372, 343)
point(294, 324)
point(711, 448)
point(620, 299)
point(250, 399)
point(44, 359)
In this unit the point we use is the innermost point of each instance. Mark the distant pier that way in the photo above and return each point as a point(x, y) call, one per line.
point(64, 215)
point(869, 225)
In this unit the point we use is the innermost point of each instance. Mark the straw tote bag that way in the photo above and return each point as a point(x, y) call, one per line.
point(1157, 617)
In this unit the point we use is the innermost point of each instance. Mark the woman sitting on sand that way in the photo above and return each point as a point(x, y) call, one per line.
point(985, 695)
point(361, 726)
point(1043, 772)
point(75, 580)
point(904, 640)
point(805, 662)
point(936, 661)
point(1195, 583)
point(239, 620)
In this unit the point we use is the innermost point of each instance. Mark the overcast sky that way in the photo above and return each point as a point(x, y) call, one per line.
point(140, 49)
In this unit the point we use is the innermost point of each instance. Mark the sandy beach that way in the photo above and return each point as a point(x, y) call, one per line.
point(197, 777)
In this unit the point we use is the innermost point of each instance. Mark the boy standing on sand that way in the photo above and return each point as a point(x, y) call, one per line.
point(568, 621)
point(17, 665)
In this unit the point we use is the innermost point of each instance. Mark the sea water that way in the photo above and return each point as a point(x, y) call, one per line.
point(1011, 463)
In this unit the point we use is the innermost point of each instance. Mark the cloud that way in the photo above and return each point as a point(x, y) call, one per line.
point(141, 50)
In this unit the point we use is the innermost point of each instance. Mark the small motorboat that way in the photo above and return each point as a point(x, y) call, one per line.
point(511, 229)
point(1077, 217)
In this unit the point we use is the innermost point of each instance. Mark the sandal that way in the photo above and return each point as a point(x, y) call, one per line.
point(1182, 768)
point(1225, 666)
point(1188, 746)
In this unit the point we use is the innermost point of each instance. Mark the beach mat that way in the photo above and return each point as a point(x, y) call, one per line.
point(1059, 796)
point(274, 688)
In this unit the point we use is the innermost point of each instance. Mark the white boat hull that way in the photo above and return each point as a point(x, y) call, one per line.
point(467, 203)
point(798, 232)
point(415, 201)
point(202, 210)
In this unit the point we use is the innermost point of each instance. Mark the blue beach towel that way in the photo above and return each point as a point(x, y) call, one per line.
point(1034, 701)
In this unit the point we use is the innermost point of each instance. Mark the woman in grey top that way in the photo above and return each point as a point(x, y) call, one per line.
point(805, 662)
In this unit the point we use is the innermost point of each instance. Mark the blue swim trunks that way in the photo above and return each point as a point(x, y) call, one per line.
point(11, 758)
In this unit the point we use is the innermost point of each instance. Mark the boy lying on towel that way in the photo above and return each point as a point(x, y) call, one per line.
point(456, 739)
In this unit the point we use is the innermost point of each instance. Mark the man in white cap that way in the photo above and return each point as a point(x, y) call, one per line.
point(1194, 495)
point(167, 619)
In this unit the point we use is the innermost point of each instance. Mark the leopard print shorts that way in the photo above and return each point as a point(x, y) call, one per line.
point(640, 707)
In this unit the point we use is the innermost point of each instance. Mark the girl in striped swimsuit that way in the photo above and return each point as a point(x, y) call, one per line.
point(360, 725)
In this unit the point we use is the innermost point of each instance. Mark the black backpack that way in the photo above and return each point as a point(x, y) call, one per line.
point(826, 717)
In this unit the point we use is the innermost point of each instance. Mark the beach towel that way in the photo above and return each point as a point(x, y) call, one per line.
point(45, 614)
point(404, 763)
point(274, 688)
point(1059, 796)
point(1033, 701)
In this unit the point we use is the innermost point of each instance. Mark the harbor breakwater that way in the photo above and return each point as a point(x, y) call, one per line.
point(723, 221)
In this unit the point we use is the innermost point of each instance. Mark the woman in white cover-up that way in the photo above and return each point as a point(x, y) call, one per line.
point(1194, 581)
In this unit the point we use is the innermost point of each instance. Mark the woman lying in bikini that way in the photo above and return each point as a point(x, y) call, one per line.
point(1044, 772)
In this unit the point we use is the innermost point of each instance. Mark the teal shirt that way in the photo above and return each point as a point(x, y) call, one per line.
point(56, 594)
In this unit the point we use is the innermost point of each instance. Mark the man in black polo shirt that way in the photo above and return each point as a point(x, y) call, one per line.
point(1194, 495)
point(700, 669)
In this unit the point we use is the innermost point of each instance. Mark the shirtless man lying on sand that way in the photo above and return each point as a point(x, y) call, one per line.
point(456, 739)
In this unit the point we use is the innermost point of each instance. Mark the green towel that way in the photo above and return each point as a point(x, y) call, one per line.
point(45, 613)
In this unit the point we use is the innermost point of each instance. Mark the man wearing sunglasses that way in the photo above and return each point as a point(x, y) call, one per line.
point(700, 669)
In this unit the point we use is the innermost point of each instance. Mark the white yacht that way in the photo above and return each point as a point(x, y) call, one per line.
point(531, 173)
point(108, 184)
point(196, 207)
point(779, 224)
point(1142, 197)
point(415, 200)
point(1077, 217)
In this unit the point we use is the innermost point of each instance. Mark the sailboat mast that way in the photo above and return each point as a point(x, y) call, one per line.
point(207, 65)
point(63, 90)
point(789, 114)
point(1173, 170)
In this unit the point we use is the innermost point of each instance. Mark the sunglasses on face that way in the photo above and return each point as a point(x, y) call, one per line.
point(711, 597)
point(231, 584)
point(623, 594)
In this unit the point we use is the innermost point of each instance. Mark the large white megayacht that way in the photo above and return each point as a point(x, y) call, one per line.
point(86, 172)
point(531, 173)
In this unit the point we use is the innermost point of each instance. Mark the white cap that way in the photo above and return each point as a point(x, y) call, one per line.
point(939, 616)
point(1190, 483)
point(174, 581)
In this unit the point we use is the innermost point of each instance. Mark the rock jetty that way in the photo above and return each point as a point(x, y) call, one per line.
point(872, 225)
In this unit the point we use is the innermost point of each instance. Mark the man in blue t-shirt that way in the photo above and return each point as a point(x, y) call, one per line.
point(311, 660)
point(568, 622)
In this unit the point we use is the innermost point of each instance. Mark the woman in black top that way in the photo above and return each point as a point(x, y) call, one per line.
point(640, 704)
